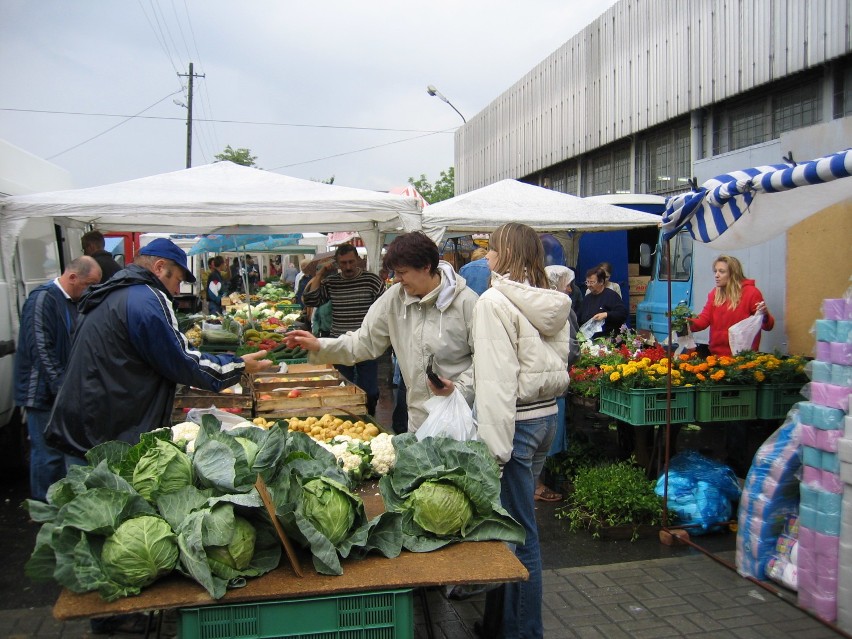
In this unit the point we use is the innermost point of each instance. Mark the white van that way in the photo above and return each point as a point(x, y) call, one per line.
point(38, 259)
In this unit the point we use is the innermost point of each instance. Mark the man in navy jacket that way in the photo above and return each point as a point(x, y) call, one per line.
point(44, 341)
point(128, 356)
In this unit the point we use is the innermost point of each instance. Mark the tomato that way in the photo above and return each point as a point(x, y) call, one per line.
point(294, 393)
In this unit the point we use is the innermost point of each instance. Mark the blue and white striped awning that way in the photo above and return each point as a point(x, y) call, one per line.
point(722, 204)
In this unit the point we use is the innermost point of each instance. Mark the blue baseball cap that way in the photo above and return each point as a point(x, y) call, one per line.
point(162, 247)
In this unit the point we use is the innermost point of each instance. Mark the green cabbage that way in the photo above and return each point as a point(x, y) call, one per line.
point(237, 555)
point(250, 449)
point(164, 469)
point(328, 508)
point(441, 508)
point(139, 551)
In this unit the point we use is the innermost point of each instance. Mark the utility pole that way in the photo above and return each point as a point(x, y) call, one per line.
point(191, 76)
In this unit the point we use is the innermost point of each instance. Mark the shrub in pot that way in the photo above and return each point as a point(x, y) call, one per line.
point(616, 495)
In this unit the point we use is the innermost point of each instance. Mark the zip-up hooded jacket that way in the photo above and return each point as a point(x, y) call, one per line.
point(47, 323)
point(437, 324)
point(126, 360)
point(721, 318)
point(521, 339)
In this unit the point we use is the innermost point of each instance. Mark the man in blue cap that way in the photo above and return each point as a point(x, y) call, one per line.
point(128, 356)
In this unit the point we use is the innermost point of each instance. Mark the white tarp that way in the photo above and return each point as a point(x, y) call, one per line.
point(544, 210)
point(218, 198)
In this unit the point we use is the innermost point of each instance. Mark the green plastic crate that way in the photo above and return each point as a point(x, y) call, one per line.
point(370, 615)
point(725, 403)
point(647, 406)
point(289, 308)
point(774, 401)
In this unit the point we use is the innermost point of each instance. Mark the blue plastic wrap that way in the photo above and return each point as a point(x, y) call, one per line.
point(770, 495)
point(700, 491)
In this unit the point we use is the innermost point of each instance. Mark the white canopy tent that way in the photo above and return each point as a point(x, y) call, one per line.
point(565, 216)
point(217, 198)
point(545, 210)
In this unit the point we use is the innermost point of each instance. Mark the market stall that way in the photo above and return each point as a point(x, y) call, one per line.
point(220, 198)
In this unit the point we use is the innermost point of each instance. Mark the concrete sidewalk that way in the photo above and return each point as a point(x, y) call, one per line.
point(689, 596)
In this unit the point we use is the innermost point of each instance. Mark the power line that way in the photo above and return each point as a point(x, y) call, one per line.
point(114, 126)
point(367, 148)
point(287, 124)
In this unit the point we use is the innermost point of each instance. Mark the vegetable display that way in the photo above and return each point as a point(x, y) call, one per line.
point(184, 499)
point(446, 491)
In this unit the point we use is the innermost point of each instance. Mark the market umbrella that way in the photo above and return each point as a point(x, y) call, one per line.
point(220, 243)
point(747, 207)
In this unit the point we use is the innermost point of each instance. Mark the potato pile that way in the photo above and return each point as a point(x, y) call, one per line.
point(328, 426)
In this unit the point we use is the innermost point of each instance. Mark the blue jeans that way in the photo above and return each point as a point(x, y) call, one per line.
point(365, 375)
point(523, 600)
point(47, 465)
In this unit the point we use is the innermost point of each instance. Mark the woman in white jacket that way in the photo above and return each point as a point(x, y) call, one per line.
point(427, 312)
point(521, 342)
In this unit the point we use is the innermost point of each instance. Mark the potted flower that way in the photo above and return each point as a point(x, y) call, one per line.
point(612, 500)
point(726, 387)
point(681, 314)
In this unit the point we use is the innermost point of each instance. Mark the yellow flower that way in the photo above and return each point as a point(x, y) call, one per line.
point(614, 377)
point(759, 376)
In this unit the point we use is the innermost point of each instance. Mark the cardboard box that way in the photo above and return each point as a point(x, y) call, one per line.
point(638, 285)
point(633, 269)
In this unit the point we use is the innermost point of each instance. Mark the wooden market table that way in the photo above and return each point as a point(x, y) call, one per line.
point(461, 563)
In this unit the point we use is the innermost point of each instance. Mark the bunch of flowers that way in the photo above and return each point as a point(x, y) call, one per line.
point(722, 369)
point(629, 343)
point(776, 369)
point(586, 372)
point(641, 373)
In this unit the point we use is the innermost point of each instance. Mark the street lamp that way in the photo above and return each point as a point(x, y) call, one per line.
point(431, 90)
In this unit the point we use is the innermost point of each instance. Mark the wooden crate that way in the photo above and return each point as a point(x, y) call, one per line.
point(187, 398)
point(266, 382)
point(312, 402)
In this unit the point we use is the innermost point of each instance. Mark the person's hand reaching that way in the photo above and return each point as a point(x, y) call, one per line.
point(255, 363)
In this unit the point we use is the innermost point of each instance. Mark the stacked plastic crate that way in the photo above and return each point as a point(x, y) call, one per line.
point(823, 496)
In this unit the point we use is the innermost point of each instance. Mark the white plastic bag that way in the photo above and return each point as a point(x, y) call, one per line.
point(742, 334)
point(591, 327)
point(449, 416)
point(229, 420)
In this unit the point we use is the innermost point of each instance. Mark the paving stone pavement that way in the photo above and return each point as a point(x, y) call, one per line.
point(689, 596)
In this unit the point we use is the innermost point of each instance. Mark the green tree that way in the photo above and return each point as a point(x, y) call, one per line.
point(324, 181)
point(443, 189)
point(237, 156)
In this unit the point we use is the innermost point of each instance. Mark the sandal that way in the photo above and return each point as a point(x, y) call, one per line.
point(543, 493)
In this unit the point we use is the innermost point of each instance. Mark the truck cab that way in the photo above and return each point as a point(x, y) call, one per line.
point(651, 312)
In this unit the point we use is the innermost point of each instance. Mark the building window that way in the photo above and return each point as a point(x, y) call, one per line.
point(747, 125)
point(609, 172)
point(796, 108)
point(571, 180)
point(663, 161)
point(557, 182)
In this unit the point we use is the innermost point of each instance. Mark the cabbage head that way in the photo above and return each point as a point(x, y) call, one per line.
point(237, 555)
point(250, 449)
point(162, 470)
point(328, 508)
point(440, 508)
point(139, 551)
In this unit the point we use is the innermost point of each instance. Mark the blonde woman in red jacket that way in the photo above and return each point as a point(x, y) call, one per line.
point(734, 299)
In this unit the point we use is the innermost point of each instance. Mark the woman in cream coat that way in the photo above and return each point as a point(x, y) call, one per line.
point(521, 340)
point(427, 312)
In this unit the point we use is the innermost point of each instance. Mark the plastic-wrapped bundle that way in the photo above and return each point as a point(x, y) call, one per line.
point(783, 565)
point(700, 491)
point(770, 495)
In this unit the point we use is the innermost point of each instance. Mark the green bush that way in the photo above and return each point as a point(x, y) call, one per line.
point(617, 494)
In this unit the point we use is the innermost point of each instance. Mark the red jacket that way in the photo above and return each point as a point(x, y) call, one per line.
point(721, 318)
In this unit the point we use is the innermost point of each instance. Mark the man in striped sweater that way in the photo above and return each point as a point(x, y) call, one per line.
point(351, 291)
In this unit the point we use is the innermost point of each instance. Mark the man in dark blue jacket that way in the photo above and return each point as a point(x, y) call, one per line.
point(44, 341)
point(128, 356)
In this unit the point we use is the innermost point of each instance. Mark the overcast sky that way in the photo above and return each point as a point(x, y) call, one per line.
point(284, 79)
